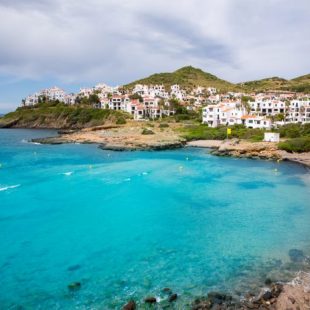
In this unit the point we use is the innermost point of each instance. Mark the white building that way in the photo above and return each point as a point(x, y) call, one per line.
point(267, 107)
point(258, 122)
point(271, 137)
point(299, 111)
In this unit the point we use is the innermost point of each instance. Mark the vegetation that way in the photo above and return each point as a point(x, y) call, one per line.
point(163, 125)
point(299, 138)
point(187, 77)
point(147, 131)
point(294, 130)
point(297, 145)
point(53, 114)
point(92, 100)
point(190, 77)
point(120, 120)
point(136, 96)
point(299, 84)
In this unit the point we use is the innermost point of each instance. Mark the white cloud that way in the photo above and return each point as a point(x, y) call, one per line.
point(117, 41)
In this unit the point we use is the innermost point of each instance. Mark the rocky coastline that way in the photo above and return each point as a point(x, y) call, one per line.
point(255, 150)
point(136, 136)
point(294, 295)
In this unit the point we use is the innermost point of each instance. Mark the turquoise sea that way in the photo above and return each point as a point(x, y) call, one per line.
point(128, 224)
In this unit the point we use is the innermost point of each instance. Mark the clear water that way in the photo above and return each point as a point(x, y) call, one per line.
point(127, 224)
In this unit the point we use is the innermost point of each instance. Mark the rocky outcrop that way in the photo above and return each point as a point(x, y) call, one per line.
point(120, 138)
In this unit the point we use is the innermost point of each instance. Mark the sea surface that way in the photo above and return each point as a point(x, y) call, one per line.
point(128, 224)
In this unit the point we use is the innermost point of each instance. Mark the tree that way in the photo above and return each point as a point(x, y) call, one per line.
point(136, 97)
point(245, 103)
point(93, 99)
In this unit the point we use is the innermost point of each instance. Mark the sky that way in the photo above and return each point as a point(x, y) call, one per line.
point(78, 43)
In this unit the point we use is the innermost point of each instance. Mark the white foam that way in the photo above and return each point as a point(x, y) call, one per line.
point(8, 187)
point(128, 180)
point(68, 173)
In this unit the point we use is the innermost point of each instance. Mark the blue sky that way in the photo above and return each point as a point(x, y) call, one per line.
point(74, 43)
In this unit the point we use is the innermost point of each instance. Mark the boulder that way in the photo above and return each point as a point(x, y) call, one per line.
point(74, 286)
point(150, 300)
point(173, 297)
point(131, 305)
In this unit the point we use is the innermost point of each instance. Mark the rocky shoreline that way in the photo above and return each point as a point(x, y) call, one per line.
point(294, 295)
point(254, 150)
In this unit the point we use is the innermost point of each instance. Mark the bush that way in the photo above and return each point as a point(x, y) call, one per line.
point(163, 125)
point(203, 132)
point(146, 131)
point(120, 121)
point(298, 145)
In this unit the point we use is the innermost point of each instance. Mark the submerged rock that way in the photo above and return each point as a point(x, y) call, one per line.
point(173, 297)
point(131, 305)
point(215, 300)
point(74, 286)
point(219, 298)
point(150, 300)
point(167, 290)
point(268, 281)
point(74, 267)
point(296, 256)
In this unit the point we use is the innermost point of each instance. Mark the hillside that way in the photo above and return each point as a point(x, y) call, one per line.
point(61, 116)
point(299, 84)
point(187, 77)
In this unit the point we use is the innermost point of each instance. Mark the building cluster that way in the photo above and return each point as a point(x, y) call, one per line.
point(262, 110)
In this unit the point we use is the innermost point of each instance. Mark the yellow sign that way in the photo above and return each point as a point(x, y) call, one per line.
point(229, 131)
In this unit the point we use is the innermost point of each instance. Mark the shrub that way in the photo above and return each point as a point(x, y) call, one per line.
point(146, 131)
point(163, 125)
point(297, 145)
point(120, 121)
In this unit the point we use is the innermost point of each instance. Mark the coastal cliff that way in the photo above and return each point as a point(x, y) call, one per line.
point(61, 116)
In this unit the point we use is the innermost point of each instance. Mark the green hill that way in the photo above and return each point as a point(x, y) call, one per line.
point(187, 77)
point(299, 84)
point(264, 84)
point(190, 77)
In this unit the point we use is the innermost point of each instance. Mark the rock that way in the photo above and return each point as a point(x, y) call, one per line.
point(173, 297)
point(74, 267)
point(74, 286)
point(267, 295)
point(201, 303)
point(292, 299)
point(276, 290)
point(150, 300)
point(218, 298)
point(131, 305)
point(167, 290)
point(268, 281)
point(296, 256)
